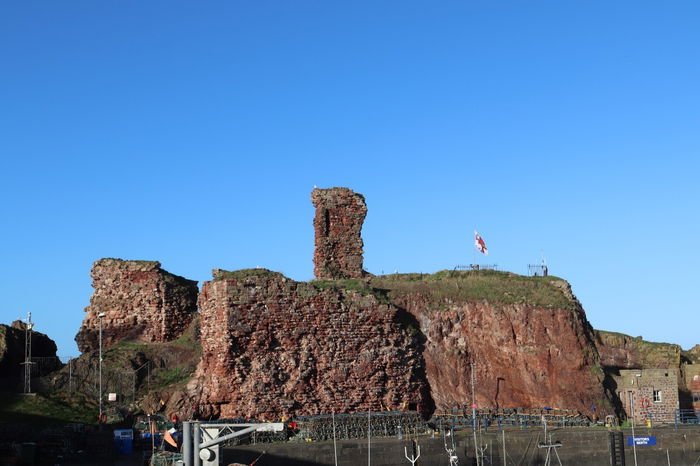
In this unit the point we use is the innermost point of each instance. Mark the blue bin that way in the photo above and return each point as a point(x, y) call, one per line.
point(124, 441)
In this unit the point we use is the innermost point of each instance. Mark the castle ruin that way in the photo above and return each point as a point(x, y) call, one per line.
point(340, 213)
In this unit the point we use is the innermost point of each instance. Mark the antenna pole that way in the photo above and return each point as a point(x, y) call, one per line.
point(28, 354)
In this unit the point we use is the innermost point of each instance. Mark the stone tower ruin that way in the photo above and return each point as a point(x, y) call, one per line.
point(139, 301)
point(340, 213)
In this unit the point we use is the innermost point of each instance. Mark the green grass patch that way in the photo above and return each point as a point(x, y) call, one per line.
point(483, 285)
point(220, 274)
point(55, 408)
point(361, 286)
point(190, 337)
point(165, 378)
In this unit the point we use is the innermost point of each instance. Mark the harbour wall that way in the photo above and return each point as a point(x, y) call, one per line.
point(582, 447)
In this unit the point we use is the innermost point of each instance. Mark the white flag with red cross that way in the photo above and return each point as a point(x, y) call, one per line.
point(480, 244)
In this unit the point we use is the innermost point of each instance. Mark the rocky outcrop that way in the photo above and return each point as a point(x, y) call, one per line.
point(528, 338)
point(340, 213)
point(620, 351)
point(140, 302)
point(12, 344)
point(691, 356)
point(274, 347)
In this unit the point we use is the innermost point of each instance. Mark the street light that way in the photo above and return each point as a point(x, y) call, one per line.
point(99, 317)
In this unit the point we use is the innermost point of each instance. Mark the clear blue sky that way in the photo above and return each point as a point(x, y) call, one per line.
point(193, 134)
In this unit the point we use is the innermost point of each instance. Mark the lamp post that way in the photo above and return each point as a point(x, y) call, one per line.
point(99, 318)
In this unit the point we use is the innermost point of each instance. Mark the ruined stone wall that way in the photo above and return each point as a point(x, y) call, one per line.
point(273, 347)
point(340, 213)
point(141, 302)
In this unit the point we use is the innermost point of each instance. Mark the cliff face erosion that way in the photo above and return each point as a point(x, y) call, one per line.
point(528, 338)
point(620, 351)
point(141, 302)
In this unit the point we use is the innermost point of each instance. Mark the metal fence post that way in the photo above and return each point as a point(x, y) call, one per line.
point(187, 443)
point(197, 442)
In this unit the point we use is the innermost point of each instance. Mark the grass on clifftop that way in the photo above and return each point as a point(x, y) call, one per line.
point(489, 285)
point(651, 354)
point(220, 274)
point(362, 286)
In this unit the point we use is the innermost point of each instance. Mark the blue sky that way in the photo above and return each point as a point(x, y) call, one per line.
point(193, 134)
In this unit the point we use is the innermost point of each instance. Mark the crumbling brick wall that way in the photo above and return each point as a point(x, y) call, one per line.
point(140, 301)
point(274, 347)
point(340, 213)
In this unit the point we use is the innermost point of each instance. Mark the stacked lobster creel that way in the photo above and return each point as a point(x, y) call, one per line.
point(354, 426)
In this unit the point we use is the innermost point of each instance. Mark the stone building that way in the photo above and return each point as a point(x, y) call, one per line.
point(648, 394)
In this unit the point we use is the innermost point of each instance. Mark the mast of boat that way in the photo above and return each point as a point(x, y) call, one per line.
point(503, 434)
point(634, 439)
point(335, 448)
point(454, 461)
point(412, 458)
point(369, 438)
point(476, 448)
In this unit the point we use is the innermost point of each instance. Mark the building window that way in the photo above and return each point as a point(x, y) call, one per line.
point(657, 396)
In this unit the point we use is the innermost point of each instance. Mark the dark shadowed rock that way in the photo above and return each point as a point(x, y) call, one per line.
point(12, 344)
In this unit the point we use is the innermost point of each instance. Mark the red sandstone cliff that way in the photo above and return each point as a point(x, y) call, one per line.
point(622, 351)
point(273, 346)
point(140, 301)
point(528, 337)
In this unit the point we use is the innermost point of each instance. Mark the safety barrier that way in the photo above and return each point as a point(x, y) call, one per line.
point(407, 424)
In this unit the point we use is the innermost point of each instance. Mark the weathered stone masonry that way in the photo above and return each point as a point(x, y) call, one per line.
point(340, 213)
point(273, 347)
point(642, 384)
point(141, 302)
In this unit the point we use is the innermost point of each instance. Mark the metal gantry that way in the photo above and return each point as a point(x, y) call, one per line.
point(201, 440)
